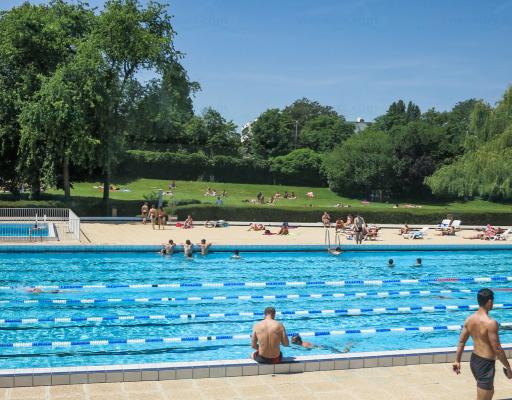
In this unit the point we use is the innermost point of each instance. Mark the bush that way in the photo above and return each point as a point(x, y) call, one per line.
point(237, 170)
point(300, 167)
point(162, 165)
point(393, 216)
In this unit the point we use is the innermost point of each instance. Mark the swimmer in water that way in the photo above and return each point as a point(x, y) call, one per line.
point(335, 252)
point(38, 290)
point(391, 263)
point(297, 340)
point(418, 262)
point(204, 247)
point(187, 249)
point(236, 255)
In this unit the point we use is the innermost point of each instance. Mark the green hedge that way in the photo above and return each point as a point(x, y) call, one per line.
point(162, 165)
point(392, 216)
point(192, 166)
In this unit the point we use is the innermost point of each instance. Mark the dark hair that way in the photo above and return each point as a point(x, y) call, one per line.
point(418, 261)
point(171, 241)
point(338, 248)
point(390, 261)
point(296, 339)
point(203, 240)
point(270, 311)
point(483, 296)
point(188, 241)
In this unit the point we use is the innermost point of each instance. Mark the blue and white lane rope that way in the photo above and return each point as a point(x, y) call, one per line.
point(119, 341)
point(348, 282)
point(190, 316)
point(401, 293)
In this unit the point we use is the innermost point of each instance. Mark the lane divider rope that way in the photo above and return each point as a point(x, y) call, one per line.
point(389, 293)
point(348, 282)
point(119, 341)
point(190, 316)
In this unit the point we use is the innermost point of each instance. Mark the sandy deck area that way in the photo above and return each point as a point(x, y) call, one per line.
point(136, 233)
point(435, 381)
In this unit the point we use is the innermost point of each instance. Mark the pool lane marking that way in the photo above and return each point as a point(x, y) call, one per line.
point(401, 293)
point(182, 339)
point(349, 282)
point(191, 316)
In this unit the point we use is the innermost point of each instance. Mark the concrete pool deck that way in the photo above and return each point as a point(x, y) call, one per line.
point(136, 233)
point(433, 381)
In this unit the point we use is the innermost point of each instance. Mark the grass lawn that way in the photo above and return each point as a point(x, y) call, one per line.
point(86, 201)
point(237, 192)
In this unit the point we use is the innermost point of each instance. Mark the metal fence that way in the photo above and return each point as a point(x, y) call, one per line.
point(39, 224)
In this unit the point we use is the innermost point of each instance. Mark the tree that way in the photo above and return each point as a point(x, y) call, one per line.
point(484, 169)
point(397, 114)
point(36, 39)
point(418, 150)
point(301, 167)
point(222, 136)
point(162, 109)
point(324, 133)
point(271, 134)
point(58, 125)
point(363, 163)
point(131, 38)
point(303, 110)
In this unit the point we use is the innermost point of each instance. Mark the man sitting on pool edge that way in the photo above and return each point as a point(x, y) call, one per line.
point(267, 337)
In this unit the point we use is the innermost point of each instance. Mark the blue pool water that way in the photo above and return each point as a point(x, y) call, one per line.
point(23, 230)
point(20, 271)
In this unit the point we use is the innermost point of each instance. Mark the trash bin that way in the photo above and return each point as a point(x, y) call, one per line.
point(114, 211)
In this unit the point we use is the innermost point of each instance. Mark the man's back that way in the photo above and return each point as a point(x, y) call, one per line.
point(269, 334)
point(478, 326)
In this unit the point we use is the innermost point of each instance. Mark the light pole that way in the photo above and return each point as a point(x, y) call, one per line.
point(296, 132)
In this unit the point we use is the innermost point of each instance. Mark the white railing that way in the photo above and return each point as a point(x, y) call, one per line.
point(57, 224)
point(34, 214)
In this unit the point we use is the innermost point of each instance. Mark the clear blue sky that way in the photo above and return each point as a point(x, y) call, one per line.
point(355, 55)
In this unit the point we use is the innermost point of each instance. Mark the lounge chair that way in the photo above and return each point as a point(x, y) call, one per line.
point(456, 224)
point(444, 224)
point(502, 236)
point(416, 234)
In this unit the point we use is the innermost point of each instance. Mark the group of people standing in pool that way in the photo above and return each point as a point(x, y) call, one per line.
point(169, 248)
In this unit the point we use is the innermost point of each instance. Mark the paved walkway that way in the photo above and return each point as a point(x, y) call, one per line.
point(434, 381)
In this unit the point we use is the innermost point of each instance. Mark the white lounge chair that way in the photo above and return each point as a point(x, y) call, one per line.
point(417, 234)
point(444, 224)
point(502, 236)
point(456, 224)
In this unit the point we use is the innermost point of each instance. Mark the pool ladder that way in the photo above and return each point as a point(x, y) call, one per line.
point(327, 238)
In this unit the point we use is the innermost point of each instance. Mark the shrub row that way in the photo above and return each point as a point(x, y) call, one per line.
point(192, 166)
point(392, 216)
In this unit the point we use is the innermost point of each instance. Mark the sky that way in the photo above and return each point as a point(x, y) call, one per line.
point(357, 56)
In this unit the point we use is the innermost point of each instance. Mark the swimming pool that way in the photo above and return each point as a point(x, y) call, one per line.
point(163, 309)
point(18, 230)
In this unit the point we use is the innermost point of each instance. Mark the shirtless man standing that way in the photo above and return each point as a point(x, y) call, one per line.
point(484, 331)
point(267, 337)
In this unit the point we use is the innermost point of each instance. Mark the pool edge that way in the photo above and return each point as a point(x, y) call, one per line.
point(28, 377)
point(88, 248)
